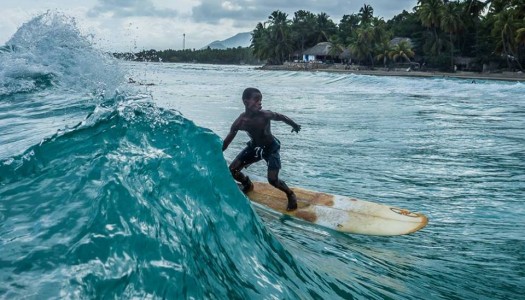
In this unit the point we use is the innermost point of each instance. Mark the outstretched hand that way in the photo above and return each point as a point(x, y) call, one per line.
point(296, 128)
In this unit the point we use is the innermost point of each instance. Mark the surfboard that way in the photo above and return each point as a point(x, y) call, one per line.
point(341, 213)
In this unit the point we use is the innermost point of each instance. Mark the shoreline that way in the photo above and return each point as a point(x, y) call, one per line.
point(503, 76)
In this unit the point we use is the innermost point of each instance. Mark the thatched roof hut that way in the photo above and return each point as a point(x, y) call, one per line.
point(321, 49)
point(323, 52)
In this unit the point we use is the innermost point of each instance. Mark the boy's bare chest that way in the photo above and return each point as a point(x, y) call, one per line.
point(253, 123)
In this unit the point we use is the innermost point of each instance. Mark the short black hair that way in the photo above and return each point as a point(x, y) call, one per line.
point(248, 92)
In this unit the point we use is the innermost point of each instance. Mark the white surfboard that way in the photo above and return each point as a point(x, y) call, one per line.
point(341, 213)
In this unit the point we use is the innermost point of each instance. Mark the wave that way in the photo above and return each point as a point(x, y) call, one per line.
point(49, 51)
point(51, 77)
point(136, 201)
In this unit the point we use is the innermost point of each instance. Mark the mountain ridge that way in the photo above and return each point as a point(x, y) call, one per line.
point(242, 39)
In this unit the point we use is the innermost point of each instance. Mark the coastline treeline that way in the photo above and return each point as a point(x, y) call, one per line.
point(436, 32)
point(237, 55)
point(490, 31)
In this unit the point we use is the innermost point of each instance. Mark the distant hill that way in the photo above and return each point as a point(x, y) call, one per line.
point(242, 39)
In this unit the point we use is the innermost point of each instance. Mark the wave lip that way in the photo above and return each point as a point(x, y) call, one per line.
point(48, 51)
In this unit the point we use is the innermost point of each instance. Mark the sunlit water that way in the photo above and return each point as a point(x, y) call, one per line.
point(118, 190)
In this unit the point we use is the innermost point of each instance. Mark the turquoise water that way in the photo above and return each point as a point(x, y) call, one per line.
point(117, 190)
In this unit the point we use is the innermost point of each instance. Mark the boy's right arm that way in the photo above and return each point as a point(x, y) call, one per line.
point(228, 140)
point(231, 135)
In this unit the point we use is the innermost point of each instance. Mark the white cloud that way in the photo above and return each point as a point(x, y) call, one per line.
point(131, 8)
point(229, 6)
point(125, 25)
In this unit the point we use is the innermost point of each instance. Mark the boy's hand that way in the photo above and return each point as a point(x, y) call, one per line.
point(296, 128)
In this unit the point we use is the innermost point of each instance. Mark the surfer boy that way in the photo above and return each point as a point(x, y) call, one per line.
point(262, 145)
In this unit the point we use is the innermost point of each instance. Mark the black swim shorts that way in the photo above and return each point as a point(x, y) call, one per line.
point(270, 154)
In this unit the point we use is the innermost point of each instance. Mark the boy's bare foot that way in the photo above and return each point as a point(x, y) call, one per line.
point(292, 202)
point(248, 187)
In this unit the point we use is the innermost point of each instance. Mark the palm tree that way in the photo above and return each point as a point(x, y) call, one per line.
point(473, 10)
point(366, 13)
point(505, 28)
point(261, 42)
point(337, 47)
point(280, 35)
point(362, 47)
point(347, 26)
point(383, 51)
point(303, 26)
point(402, 50)
point(325, 28)
point(429, 12)
point(451, 23)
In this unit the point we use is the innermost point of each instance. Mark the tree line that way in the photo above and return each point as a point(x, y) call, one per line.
point(491, 31)
point(237, 55)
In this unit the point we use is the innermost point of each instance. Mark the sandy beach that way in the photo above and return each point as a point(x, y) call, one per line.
point(505, 76)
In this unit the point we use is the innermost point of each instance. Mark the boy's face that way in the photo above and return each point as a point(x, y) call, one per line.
point(254, 103)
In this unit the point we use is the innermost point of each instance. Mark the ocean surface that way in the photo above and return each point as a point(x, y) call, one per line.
point(111, 189)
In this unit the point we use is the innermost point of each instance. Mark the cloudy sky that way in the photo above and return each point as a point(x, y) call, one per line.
point(133, 25)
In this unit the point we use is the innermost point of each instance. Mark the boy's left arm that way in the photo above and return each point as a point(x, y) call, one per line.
point(280, 117)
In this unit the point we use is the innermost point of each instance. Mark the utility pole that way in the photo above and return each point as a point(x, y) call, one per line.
point(183, 41)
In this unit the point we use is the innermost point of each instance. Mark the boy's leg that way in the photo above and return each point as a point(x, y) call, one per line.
point(273, 179)
point(247, 157)
point(273, 158)
point(235, 168)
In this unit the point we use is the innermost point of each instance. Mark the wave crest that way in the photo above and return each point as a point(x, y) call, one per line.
point(48, 51)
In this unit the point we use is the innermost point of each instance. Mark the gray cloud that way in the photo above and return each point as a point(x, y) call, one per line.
point(253, 11)
point(130, 8)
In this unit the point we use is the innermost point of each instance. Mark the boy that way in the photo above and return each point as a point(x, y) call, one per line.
point(262, 145)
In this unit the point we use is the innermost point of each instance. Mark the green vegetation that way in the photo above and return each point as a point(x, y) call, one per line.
point(440, 32)
point(210, 56)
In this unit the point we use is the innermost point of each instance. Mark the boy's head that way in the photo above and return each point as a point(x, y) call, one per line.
point(252, 97)
point(248, 93)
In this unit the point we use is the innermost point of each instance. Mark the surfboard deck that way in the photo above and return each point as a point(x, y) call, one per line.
point(341, 213)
